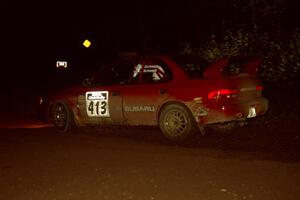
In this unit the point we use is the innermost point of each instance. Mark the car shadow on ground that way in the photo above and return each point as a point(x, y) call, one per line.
point(250, 142)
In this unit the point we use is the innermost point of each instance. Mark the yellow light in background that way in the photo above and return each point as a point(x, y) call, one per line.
point(87, 43)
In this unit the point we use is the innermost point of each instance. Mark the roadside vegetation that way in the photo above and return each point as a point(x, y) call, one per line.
point(261, 34)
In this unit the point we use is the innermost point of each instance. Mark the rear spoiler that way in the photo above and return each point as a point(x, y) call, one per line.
point(224, 67)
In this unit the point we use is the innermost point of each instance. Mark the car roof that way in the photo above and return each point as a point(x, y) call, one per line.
point(177, 73)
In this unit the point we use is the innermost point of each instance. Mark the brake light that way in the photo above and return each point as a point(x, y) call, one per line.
point(259, 88)
point(217, 94)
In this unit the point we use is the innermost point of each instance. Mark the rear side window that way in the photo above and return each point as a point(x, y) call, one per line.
point(193, 66)
point(151, 71)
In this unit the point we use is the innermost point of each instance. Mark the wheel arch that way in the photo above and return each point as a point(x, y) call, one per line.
point(190, 127)
point(71, 119)
point(171, 102)
point(51, 105)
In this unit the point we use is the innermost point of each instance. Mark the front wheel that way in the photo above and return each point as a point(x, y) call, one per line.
point(62, 116)
point(177, 123)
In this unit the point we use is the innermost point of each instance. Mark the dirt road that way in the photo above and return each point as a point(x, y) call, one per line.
point(135, 163)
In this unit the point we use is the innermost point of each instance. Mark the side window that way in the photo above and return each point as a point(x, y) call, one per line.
point(121, 72)
point(117, 74)
point(150, 71)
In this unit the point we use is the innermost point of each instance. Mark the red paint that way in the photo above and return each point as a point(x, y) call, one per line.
point(176, 88)
point(221, 92)
point(215, 70)
point(259, 88)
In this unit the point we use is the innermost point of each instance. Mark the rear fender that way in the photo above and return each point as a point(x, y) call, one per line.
point(192, 107)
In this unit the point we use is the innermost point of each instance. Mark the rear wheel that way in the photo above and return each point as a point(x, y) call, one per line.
point(62, 116)
point(177, 123)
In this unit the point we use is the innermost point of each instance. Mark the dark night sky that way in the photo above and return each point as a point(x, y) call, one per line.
point(35, 33)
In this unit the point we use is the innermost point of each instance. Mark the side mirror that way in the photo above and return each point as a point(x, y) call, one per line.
point(86, 82)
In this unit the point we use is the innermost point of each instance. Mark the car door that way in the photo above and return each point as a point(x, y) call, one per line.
point(141, 98)
point(102, 101)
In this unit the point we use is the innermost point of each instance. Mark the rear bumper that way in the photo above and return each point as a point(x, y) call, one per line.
point(241, 111)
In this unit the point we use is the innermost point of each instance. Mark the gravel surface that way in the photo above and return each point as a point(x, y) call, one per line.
point(137, 163)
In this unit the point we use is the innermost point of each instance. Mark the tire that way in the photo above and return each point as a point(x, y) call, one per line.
point(62, 117)
point(177, 123)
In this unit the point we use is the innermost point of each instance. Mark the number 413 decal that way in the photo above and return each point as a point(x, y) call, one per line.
point(97, 104)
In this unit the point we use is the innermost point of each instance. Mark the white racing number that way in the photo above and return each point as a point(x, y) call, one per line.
point(97, 104)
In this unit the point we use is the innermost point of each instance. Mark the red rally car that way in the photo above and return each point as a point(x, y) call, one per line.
point(182, 95)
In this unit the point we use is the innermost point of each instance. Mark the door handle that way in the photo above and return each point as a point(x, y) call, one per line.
point(163, 91)
point(116, 93)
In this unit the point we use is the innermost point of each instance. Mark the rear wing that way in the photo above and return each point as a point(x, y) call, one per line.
point(232, 67)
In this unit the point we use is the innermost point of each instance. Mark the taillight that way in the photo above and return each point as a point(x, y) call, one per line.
point(259, 88)
point(222, 93)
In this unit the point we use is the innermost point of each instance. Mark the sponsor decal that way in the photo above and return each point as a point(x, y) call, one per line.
point(144, 108)
point(156, 70)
